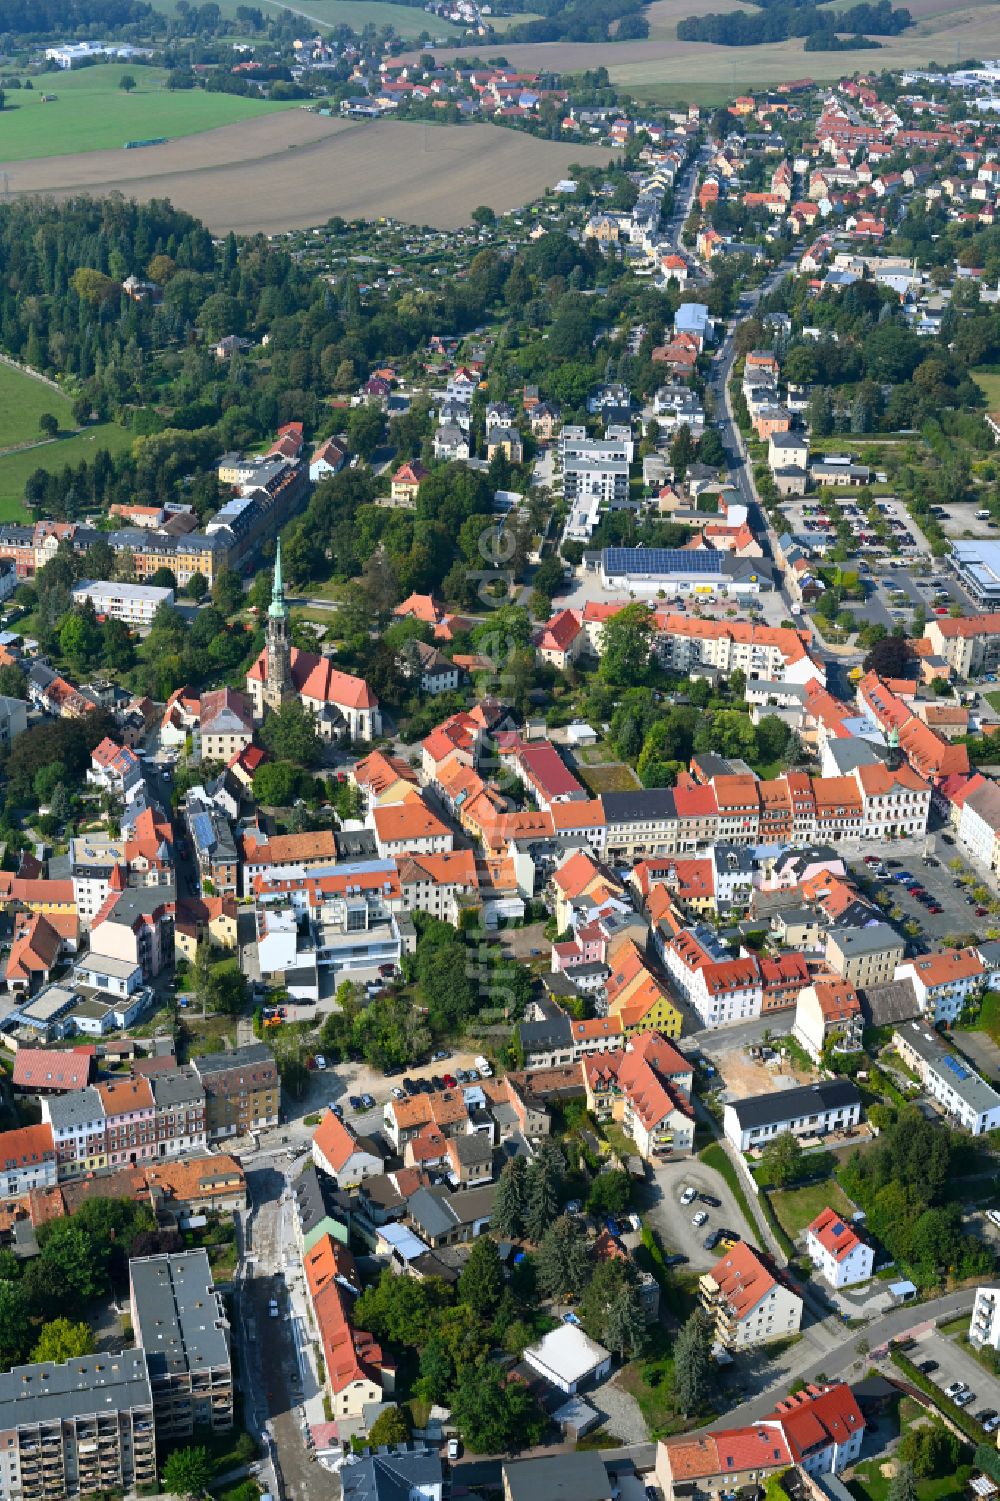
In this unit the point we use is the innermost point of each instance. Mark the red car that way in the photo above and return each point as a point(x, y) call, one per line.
point(449, 1081)
point(940, 609)
point(935, 910)
point(982, 911)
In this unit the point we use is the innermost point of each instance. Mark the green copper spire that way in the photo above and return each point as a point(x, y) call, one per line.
point(278, 609)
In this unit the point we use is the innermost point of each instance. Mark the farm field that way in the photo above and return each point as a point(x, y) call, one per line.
point(22, 401)
point(664, 70)
point(408, 20)
point(243, 177)
point(16, 467)
point(91, 113)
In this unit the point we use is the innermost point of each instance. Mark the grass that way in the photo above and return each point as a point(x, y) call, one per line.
point(988, 381)
point(408, 21)
point(988, 1020)
point(91, 113)
point(22, 401)
point(715, 1157)
point(601, 779)
point(16, 467)
point(650, 1379)
point(797, 1207)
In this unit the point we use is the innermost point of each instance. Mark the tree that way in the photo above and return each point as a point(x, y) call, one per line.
point(390, 1427)
point(13, 1324)
point(481, 1284)
point(625, 646)
point(187, 1472)
point(510, 1203)
point(542, 1190)
point(564, 1260)
point(48, 425)
point(902, 1486)
point(227, 592)
point(196, 587)
point(890, 658)
point(484, 215)
point(365, 430)
point(609, 1193)
point(693, 1363)
point(228, 991)
point(276, 784)
point(62, 1340)
point(126, 83)
point(290, 734)
point(496, 1411)
point(13, 683)
point(781, 1159)
point(625, 1324)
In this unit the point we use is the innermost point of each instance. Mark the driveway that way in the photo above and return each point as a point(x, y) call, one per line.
point(659, 1200)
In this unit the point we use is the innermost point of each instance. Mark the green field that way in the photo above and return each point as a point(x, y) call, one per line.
point(798, 1207)
point(22, 401)
point(408, 20)
point(15, 467)
point(988, 382)
point(91, 113)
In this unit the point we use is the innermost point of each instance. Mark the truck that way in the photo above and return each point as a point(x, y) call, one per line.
point(483, 1065)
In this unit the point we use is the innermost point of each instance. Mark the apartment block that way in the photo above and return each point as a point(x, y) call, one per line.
point(811, 1110)
point(79, 1427)
point(749, 1300)
point(947, 1078)
point(242, 1091)
point(180, 1323)
point(984, 1326)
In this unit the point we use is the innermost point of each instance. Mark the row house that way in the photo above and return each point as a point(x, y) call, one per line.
point(126, 1122)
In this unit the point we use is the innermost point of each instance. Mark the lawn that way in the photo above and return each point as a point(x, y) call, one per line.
point(988, 1020)
point(798, 1207)
point(650, 1379)
point(988, 382)
point(407, 20)
point(993, 699)
point(16, 467)
point(616, 777)
point(91, 113)
point(22, 401)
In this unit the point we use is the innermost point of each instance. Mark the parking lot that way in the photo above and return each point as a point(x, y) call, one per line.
point(956, 1364)
point(659, 1200)
point(959, 909)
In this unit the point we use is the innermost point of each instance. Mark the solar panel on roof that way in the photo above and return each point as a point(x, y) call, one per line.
point(957, 1068)
point(660, 560)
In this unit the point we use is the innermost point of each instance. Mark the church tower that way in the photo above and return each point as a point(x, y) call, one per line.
point(278, 685)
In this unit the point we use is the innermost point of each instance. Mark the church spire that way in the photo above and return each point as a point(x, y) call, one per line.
point(278, 609)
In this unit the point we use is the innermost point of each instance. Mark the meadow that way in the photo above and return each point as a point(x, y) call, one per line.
point(988, 382)
point(16, 467)
point(23, 400)
point(299, 169)
point(91, 113)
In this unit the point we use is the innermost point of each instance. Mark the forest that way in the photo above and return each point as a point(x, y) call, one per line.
point(778, 21)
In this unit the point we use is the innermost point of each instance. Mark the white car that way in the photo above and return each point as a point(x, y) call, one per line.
point(453, 1448)
point(699, 1219)
point(954, 1389)
point(689, 1195)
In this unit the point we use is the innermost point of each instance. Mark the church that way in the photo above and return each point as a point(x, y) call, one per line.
point(344, 706)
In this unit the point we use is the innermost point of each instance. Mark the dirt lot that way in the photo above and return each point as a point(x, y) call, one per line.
point(244, 177)
point(743, 1077)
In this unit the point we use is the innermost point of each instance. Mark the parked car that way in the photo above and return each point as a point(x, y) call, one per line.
point(338, 1111)
point(440, 1055)
point(453, 1449)
point(699, 1219)
point(689, 1195)
point(368, 1101)
point(927, 1366)
point(355, 1102)
point(964, 1398)
point(710, 1200)
point(954, 1389)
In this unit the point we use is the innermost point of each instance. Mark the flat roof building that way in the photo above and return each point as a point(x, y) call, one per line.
point(180, 1323)
point(135, 604)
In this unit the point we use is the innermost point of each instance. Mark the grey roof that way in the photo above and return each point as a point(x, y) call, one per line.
point(254, 1055)
point(90, 1384)
point(950, 1067)
point(555, 1032)
point(789, 1104)
point(180, 1322)
point(390, 1477)
point(474, 1149)
point(644, 803)
point(181, 1087)
point(895, 1001)
point(871, 940)
point(849, 754)
point(76, 1108)
point(564, 1477)
point(430, 1213)
point(317, 1199)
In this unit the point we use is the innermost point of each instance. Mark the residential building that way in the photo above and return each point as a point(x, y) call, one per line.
point(749, 1300)
point(78, 1133)
point(129, 1120)
point(820, 1429)
point(811, 1110)
point(135, 604)
point(27, 1160)
point(355, 1370)
point(181, 1325)
point(225, 724)
point(339, 1151)
point(837, 1252)
point(865, 956)
point(79, 1427)
point(944, 983)
point(948, 1078)
point(984, 1326)
point(828, 1011)
point(242, 1091)
point(52, 1071)
point(179, 1112)
point(415, 1475)
point(561, 1477)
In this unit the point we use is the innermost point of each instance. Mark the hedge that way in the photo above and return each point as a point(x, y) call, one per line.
point(973, 1431)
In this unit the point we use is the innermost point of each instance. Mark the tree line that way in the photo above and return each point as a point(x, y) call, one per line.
point(779, 21)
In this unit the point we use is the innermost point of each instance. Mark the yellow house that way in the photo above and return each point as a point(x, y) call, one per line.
point(649, 1009)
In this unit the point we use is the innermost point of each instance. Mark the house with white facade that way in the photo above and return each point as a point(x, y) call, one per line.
point(749, 1300)
point(811, 1110)
point(837, 1252)
point(944, 982)
point(959, 1090)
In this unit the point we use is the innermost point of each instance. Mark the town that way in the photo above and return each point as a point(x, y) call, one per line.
point(499, 834)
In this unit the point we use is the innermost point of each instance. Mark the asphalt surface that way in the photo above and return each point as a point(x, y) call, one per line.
point(956, 1364)
point(659, 1201)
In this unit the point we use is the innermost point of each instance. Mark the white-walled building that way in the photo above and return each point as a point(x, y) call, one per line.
point(811, 1110)
point(984, 1326)
point(749, 1300)
point(944, 982)
point(135, 604)
point(947, 1078)
point(837, 1252)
